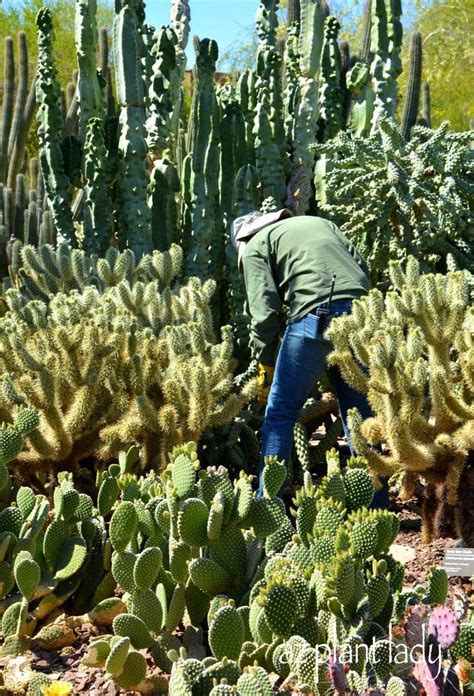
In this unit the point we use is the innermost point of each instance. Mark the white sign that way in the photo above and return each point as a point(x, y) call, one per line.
point(459, 562)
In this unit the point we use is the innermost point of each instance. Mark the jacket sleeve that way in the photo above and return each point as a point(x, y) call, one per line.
point(353, 251)
point(264, 306)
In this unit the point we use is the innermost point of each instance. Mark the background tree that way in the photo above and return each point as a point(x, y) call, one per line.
point(21, 14)
point(447, 28)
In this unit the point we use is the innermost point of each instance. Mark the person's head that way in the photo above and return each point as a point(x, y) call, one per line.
point(245, 227)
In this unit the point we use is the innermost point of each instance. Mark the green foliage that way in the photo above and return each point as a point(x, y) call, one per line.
point(447, 31)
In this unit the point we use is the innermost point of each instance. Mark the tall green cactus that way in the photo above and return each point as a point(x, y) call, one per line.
point(97, 209)
point(386, 42)
point(426, 106)
point(7, 104)
point(247, 97)
point(90, 97)
point(25, 105)
point(207, 246)
point(234, 153)
point(134, 213)
point(330, 92)
point(159, 102)
point(412, 96)
point(294, 11)
point(180, 22)
point(269, 128)
point(49, 116)
point(311, 39)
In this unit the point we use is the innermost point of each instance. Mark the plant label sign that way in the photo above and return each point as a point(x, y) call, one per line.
point(459, 562)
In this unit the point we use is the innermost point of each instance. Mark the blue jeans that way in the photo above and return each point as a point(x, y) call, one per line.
point(301, 359)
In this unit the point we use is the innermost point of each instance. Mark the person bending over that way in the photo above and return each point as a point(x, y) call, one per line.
point(306, 265)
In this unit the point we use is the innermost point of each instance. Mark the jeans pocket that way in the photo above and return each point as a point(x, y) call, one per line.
point(311, 327)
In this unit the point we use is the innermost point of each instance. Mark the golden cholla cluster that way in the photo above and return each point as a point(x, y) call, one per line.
point(413, 354)
point(137, 363)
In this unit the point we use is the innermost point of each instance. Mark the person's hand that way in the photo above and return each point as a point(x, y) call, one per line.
point(265, 379)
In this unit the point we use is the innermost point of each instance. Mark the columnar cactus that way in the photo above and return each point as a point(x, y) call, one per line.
point(311, 37)
point(134, 213)
point(97, 211)
point(90, 97)
point(330, 93)
point(7, 104)
point(387, 36)
point(57, 183)
point(207, 244)
point(270, 143)
point(25, 104)
point(180, 22)
point(160, 104)
point(412, 96)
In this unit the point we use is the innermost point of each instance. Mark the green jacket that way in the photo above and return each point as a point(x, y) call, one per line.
point(291, 264)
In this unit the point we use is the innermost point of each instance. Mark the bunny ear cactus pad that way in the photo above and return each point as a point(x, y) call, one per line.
point(27, 575)
point(209, 576)
point(71, 557)
point(359, 488)
point(123, 525)
point(254, 682)
point(115, 661)
point(183, 474)
point(147, 607)
point(108, 493)
point(396, 687)
point(11, 443)
point(192, 522)
point(11, 520)
point(364, 539)
point(147, 566)
point(226, 633)
point(463, 647)
point(26, 420)
point(134, 671)
point(274, 476)
point(266, 515)
point(281, 609)
point(123, 566)
point(133, 627)
point(437, 586)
